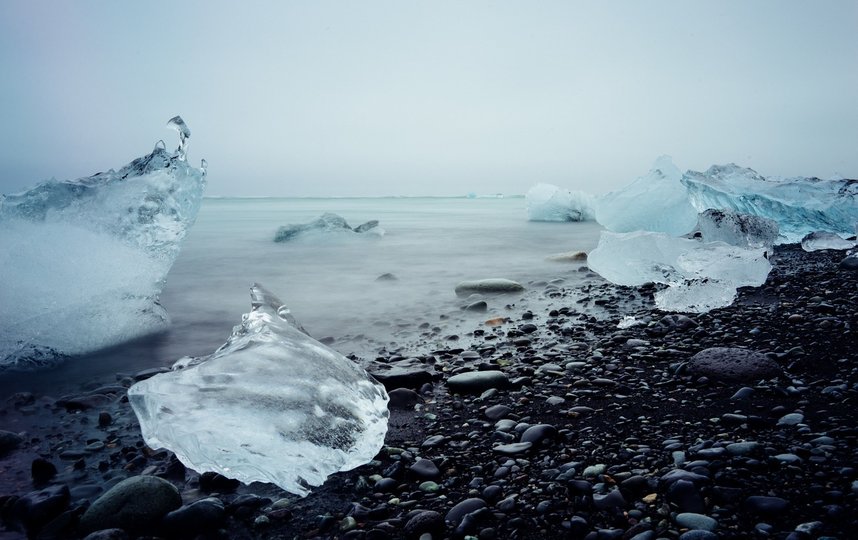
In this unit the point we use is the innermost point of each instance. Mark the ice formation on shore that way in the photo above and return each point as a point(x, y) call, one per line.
point(272, 404)
point(546, 202)
point(655, 202)
point(800, 205)
point(737, 229)
point(700, 276)
point(816, 241)
point(326, 223)
point(82, 262)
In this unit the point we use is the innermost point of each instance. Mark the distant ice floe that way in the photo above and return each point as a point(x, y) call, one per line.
point(546, 202)
point(82, 262)
point(328, 223)
point(271, 405)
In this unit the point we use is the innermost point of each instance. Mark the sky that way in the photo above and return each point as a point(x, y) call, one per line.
point(370, 98)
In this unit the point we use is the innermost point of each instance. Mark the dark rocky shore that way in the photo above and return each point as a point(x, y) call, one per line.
point(570, 428)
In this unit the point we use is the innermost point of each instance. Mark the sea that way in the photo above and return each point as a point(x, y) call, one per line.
point(330, 281)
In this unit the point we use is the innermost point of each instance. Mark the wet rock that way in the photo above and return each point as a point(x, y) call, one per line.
point(405, 373)
point(425, 469)
point(135, 504)
point(513, 448)
point(538, 433)
point(460, 510)
point(403, 398)
point(202, 516)
point(9, 441)
point(107, 534)
point(474, 382)
point(496, 412)
point(488, 286)
point(212, 482)
point(42, 470)
point(766, 506)
point(733, 364)
point(689, 520)
point(424, 522)
point(38, 508)
point(685, 496)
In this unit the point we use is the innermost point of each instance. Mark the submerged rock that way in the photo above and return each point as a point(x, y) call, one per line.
point(272, 404)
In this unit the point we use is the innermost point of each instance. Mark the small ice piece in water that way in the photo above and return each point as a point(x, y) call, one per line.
point(799, 205)
point(736, 229)
point(656, 202)
point(700, 276)
point(272, 405)
point(818, 240)
point(326, 223)
point(82, 262)
point(546, 202)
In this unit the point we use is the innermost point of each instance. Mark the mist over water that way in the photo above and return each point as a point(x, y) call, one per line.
point(329, 280)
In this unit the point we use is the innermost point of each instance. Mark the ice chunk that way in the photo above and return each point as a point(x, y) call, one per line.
point(799, 205)
point(700, 276)
point(272, 405)
point(656, 202)
point(737, 229)
point(546, 202)
point(326, 223)
point(816, 241)
point(82, 262)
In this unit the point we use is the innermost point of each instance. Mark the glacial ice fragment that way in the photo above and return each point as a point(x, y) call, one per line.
point(82, 262)
point(326, 223)
point(546, 202)
point(272, 405)
point(737, 229)
point(800, 205)
point(656, 202)
point(701, 276)
point(819, 240)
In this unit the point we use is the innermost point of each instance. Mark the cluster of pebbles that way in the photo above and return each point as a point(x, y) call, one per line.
point(737, 423)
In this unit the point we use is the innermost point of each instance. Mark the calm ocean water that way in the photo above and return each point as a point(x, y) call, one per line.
point(329, 281)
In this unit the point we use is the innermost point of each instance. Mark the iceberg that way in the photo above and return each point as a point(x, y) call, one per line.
point(272, 405)
point(816, 241)
point(82, 262)
point(656, 202)
point(326, 223)
point(546, 202)
point(700, 276)
point(737, 229)
point(799, 205)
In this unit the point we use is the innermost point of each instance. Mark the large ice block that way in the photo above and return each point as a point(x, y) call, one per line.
point(272, 405)
point(817, 241)
point(701, 276)
point(546, 202)
point(82, 262)
point(326, 224)
point(800, 205)
point(655, 202)
point(737, 229)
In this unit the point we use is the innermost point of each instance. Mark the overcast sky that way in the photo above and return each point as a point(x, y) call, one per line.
point(320, 98)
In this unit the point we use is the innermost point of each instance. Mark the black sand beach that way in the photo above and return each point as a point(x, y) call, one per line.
point(573, 429)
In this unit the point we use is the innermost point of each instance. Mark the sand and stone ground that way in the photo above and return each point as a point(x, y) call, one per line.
point(571, 428)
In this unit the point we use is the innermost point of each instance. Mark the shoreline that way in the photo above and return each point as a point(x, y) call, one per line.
point(625, 436)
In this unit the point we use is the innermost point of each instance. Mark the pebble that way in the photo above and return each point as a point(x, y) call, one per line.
point(463, 508)
point(9, 441)
point(475, 382)
point(690, 520)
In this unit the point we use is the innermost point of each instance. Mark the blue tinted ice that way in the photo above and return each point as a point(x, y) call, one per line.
point(655, 202)
point(82, 262)
point(799, 205)
point(271, 405)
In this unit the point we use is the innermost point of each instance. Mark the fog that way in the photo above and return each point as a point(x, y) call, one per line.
point(428, 98)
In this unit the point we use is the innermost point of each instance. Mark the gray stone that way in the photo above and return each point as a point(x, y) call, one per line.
point(464, 508)
point(136, 504)
point(690, 520)
point(733, 364)
point(474, 382)
point(485, 286)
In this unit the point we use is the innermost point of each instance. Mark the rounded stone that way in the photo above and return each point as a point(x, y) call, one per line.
point(733, 364)
point(474, 382)
point(458, 512)
point(484, 286)
point(135, 504)
point(691, 520)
